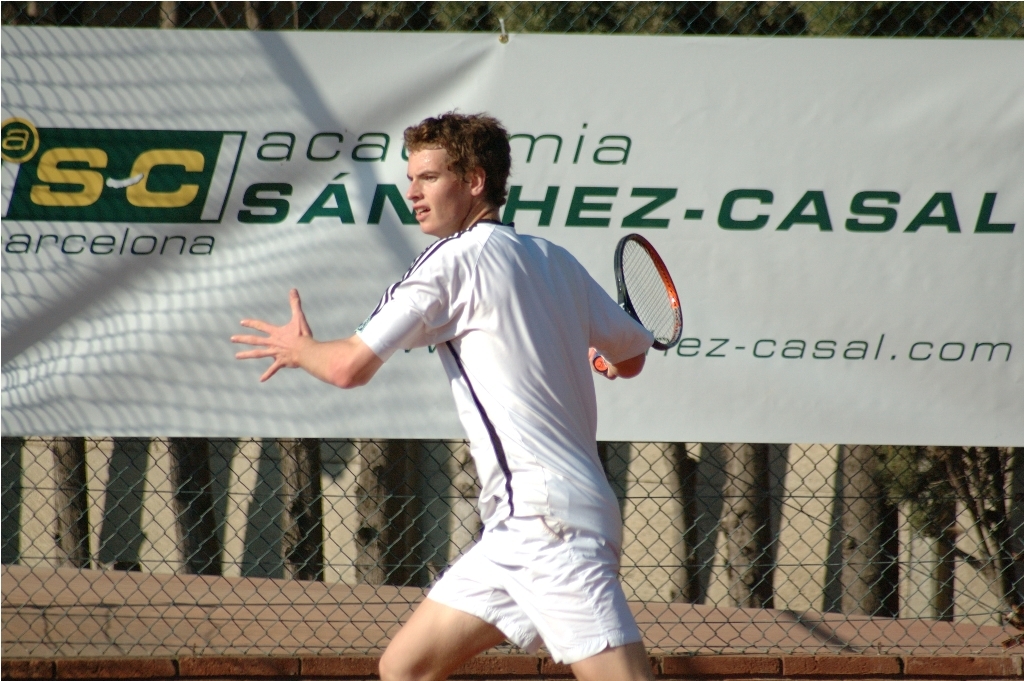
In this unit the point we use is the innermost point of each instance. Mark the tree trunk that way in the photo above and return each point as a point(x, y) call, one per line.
point(686, 470)
point(945, 561)
point(1015, 460)
point(254, 15)
point(388, 507)
point(942, 575)
point(997, 462)
point(71, 501)
point(993, 464)
point(168, 14)
point(868, 530)
point(121, 536)
point(303, 533)
point(465, 519)
point(745, 519)
point(978, 476)
point(193, 505)
point(10, 536)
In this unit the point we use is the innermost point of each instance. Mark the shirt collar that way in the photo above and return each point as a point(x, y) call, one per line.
point(497, 223)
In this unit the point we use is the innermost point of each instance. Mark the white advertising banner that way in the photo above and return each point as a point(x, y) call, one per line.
point(844, 220)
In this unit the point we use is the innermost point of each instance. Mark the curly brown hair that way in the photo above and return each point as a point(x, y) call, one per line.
point(472, 141)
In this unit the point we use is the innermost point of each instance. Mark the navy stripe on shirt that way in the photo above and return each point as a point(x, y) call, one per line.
point(499, 450)
point(420, 259)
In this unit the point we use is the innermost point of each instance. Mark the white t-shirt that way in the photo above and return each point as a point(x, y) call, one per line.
point(512, 318)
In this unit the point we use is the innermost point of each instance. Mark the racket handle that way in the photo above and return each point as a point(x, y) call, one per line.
point(600, 364)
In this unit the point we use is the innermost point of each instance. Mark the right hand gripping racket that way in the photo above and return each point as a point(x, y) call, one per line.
point(646, 293)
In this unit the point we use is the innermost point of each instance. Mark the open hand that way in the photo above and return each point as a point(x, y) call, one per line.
point(283, 343)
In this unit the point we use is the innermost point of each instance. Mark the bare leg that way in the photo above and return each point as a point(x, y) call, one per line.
point(435, 642)
point(624, 663)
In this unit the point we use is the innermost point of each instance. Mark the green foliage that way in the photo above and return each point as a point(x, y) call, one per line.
point(915, 480)
point(937, 483)
point(874, 19)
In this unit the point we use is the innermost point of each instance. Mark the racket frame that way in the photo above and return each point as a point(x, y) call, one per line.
point(666, 279)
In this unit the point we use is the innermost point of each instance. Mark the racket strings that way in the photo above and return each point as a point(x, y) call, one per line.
point(649, 294)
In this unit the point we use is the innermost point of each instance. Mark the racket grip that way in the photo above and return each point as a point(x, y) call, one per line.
point(600, 364)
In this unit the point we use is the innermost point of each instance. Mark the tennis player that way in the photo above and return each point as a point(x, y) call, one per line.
point(516, 321)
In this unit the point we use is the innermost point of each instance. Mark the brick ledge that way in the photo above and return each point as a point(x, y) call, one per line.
point(803, 667)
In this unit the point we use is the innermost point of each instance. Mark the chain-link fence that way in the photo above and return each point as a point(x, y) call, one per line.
point(335, 541)
point(117, 546)
point(909, 19)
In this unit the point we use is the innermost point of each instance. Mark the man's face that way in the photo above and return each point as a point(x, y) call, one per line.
point(441, 200)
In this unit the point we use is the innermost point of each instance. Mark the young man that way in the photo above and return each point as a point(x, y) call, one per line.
point(516, 321)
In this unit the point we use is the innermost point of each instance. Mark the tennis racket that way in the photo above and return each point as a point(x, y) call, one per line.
point(646, 293)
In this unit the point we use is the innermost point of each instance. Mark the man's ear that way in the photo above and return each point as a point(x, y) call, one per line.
point(477, 178)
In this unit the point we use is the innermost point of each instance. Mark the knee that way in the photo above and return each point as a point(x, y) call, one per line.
point(387, 669)
point(393, 668)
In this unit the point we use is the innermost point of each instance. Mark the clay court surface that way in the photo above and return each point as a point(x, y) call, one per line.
point(53, 613)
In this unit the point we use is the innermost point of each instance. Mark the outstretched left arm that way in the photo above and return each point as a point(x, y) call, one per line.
point(346, 362)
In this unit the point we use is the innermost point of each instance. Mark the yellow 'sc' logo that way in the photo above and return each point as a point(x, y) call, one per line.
point(89, 182)
point(138, 194)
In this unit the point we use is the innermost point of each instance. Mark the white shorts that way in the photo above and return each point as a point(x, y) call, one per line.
point(538, 582)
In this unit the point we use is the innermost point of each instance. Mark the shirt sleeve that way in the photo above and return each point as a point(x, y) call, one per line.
point(393, 327)
point(419, 310)
point(614, 334)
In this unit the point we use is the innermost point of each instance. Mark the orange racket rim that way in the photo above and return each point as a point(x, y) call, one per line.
point(666, 279)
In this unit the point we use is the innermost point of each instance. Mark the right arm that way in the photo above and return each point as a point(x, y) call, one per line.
point(614, 333)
